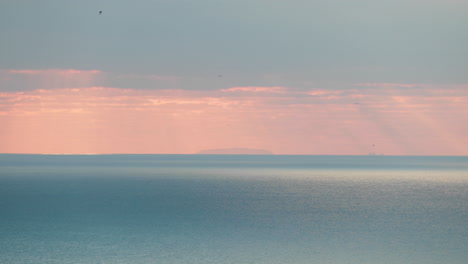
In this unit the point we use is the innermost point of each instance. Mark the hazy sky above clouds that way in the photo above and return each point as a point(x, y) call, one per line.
point(179, 76)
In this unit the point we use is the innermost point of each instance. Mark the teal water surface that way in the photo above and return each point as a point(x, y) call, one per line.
point(233, 209)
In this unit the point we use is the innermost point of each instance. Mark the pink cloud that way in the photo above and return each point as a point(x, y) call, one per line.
point(13, 79)
point(32, 79)
point(150, 76)
point(404, 85)
point(324, 92)
point(256, 89)
point(111, 120)
point(54, 72)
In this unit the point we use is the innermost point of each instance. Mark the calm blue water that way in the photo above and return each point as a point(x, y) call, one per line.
point(233, 209)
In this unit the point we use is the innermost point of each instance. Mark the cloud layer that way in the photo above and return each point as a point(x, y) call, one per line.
point(383, 118)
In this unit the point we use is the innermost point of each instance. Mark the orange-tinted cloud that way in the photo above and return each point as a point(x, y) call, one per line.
point(386, 85)
point(256, 89)
point(68, 113)
point(110, 120)
point(65, 72)
point(23, 80)
point(27, 80)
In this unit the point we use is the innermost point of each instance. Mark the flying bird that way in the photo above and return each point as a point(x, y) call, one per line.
point(100, 12)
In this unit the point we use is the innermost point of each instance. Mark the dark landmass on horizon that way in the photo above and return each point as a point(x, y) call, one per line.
point(236, 151)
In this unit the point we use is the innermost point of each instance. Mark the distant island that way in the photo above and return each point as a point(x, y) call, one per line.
point(236, 151)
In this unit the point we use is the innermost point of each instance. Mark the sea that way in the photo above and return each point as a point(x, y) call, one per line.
point(221, 209)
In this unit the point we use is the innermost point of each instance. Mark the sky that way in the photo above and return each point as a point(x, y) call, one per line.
point(316, 77)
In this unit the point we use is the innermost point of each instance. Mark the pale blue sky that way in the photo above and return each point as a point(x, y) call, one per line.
point(256, 42)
